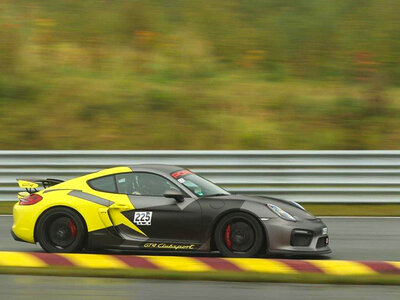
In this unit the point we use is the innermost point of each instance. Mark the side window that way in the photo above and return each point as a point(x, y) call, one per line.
point(145, 184)
point(103, 184)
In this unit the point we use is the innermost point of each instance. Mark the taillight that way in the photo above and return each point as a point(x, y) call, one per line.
point(31, 199)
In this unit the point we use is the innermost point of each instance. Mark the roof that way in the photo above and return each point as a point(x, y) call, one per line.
point(160, 168)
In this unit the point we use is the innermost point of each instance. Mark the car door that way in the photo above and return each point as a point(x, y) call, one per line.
point(158, 217)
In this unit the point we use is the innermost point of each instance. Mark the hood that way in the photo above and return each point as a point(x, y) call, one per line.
point(286, 205)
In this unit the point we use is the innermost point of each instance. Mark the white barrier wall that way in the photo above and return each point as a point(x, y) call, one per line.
point(303, 176)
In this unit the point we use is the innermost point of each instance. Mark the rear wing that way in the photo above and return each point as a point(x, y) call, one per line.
point(32, 185)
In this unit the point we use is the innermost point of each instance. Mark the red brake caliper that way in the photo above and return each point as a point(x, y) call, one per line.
point(228, 237)
point(72, 227)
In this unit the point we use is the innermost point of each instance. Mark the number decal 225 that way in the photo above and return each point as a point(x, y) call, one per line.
point(142, 218)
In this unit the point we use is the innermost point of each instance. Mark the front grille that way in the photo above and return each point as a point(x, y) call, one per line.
point(322, 242)
point(301, 238)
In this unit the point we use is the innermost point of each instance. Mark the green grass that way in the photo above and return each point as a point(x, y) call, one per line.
point(6, 207)
point(384, 210)
point(214, 276)
point(224, 74)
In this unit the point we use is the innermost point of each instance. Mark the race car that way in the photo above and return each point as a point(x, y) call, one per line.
point(160, 208)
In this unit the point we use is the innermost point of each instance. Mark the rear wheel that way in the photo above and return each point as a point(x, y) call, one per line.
point(61, 230)
point(238, 235)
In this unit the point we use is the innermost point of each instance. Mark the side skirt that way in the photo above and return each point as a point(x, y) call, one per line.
point(108, 238)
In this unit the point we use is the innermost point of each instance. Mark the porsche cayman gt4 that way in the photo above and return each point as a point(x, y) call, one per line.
point(161, 208)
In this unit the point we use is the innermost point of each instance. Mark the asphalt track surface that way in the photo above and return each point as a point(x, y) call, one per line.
point(350, 238)
point(39, 287)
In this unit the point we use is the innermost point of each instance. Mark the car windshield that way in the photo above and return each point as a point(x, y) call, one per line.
point(197, 184)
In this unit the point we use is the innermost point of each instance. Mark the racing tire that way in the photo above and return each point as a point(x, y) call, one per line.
point(61, 230)
point(239, 235)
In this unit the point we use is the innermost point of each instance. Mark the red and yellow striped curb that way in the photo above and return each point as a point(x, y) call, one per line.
point(198, 264)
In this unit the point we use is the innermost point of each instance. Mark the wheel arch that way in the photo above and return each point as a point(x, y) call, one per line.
point(60, 206)
point(235, 210)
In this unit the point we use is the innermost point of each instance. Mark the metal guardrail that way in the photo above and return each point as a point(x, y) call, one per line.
point(303, 176)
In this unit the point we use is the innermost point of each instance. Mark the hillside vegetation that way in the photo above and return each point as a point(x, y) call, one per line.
point(234, 74)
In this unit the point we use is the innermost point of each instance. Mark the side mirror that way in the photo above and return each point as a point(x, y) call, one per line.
point(177, 195)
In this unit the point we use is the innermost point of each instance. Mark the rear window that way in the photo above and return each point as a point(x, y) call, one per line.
point(103, 184)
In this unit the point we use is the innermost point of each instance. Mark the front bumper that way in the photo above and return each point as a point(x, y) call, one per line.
point(305, 237)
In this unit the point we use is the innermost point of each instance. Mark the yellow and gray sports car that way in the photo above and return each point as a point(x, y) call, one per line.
point(160, 207)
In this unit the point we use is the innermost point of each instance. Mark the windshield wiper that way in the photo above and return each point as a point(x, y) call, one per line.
point(215, 195)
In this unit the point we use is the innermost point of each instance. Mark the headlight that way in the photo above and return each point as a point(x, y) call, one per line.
point(281, 213)
point(298, 205)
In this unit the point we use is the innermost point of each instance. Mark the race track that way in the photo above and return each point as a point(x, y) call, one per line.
point(44, 288)
point(351, 238)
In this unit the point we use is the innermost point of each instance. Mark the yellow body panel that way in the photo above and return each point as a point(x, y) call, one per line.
point(96, 216)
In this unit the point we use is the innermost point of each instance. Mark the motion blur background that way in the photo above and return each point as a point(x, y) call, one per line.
point(234, 74)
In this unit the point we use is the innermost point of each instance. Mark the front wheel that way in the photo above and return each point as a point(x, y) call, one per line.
point(239, 235)
point(61, 230)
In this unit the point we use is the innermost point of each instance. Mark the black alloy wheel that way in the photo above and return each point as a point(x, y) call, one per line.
point(61, 230)
point(239, 235)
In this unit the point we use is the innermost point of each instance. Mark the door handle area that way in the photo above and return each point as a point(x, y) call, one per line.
point(105, 218)
point(119, 206)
